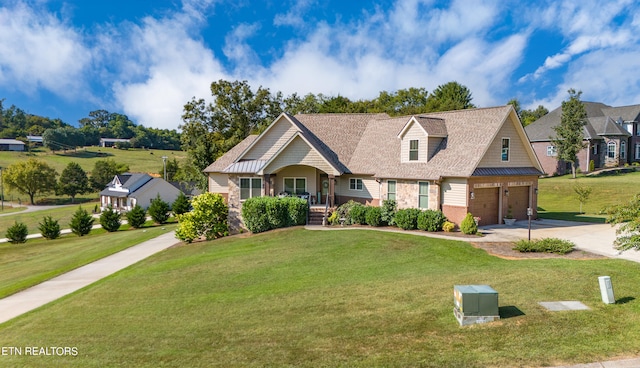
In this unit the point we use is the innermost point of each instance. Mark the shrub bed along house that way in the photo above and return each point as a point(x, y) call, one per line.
point(266, 213)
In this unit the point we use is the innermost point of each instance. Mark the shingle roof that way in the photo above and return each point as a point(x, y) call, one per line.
point(433, 126)
point(230, 156)
point(600, 122)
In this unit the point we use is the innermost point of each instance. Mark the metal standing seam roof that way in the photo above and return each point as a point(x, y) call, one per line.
point(250, 166)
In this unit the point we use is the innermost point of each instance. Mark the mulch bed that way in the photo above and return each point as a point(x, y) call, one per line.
point(505, 250)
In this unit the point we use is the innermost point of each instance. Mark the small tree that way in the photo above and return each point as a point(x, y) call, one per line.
point(628, 215)
point(208, 218)
point(49, 228)
point(582, 193)
point(73, 181)
point(110, 219)
point(17, 233)
point(181, 204)
point(159, 210)
point(136, 217)
point(469, 225)
point(81, 222)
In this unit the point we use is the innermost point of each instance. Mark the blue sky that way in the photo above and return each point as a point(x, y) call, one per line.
point(147, 58)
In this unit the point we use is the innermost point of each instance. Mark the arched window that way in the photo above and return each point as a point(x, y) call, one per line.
point(611, 149)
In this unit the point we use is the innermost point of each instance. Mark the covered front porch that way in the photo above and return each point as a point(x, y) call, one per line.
point(303, 181)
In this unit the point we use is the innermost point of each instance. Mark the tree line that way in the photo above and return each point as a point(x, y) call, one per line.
point(237, 110)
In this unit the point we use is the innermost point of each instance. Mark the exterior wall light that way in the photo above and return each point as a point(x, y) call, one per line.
point(506, 192)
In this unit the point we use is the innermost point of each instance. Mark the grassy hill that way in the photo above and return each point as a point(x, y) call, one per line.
point(139, 160)
point(357, 298)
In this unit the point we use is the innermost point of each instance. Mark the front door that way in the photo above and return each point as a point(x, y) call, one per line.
point(324, 188)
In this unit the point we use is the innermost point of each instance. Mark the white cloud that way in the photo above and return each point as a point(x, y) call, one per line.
point(38, 50)
point(295, 16)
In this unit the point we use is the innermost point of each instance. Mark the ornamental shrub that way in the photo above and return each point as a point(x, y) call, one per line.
point(17, 233)
point(468, 225)
point(81, 222)
point(110, 220)
point(181, 204)
point(296, 209)
point(159, 210)
point(358, 214)
point(333, 218)
point(431, 220)
point(265, 213)
point(546, 245)
point(448, 226)
point(49, 228)
point(254, 214)
point(374, 216)
point(208, 218)
point(344, 211)
point(388, 211)
point(407, 219)
point(136, 217)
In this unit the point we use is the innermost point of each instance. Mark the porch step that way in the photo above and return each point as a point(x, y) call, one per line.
point(316, 215)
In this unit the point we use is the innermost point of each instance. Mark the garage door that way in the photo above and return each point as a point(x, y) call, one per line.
point(519, 202)
point(485, 205)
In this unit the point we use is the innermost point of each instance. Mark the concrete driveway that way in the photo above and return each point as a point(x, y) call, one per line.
point(595, 238)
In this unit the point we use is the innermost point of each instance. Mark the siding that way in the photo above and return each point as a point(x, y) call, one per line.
point(370, 187)
point(298, 152)
point(218, 183)
point(518, 156)
point(434, 142)
point(414, 132)
point(268, 144)
point(454, 192)
point(296, 172)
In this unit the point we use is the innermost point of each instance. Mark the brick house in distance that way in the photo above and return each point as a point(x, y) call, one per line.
point(476, 160)
point(611, 138)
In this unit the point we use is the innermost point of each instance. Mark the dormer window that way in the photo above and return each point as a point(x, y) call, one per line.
point(413, 150)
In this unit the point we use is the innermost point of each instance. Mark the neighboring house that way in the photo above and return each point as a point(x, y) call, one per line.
point(188, 188)
point(110, 142)
point(611, 138)
point(128, 189)
point(476, 160)
point(11, 145)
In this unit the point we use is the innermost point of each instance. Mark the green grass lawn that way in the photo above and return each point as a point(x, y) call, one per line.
point(37, 260)
point(63, 214)
point(333, 298)
point(557, 199)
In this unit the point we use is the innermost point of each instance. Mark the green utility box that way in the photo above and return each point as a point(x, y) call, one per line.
point(475, 304)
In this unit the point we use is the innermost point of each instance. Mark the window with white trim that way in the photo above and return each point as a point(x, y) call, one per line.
point(355, 184)
point(637, 129)
point(611, 149)
point(391, 189)
point(506, 142)
point(423, 194)
point(595, 148)
point(413, 150)
point(552, 151)
point(637, 151)
point(250, 187)
point(295, 186)
point(623, 150)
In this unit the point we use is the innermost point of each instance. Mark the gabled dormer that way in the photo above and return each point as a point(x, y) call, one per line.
point(420, 137)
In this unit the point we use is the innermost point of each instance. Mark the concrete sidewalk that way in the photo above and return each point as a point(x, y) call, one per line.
point(48, 291)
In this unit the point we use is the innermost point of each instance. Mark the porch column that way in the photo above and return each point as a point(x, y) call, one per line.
point(268, 187)
point(332, 188)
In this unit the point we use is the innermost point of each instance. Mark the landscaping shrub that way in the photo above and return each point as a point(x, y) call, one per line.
point(208, 218)
point(344, 211)
point(181, 204)
point(407, 219)
point(110, 219)
point(49, 228)
point(358, 214)
point(297, 209)
point(333, 218)
point(159, 210)
point(431, 220)
point(546, 245)
point(448, 226)
point(468, 225)
point(17, 233)
point(265, 213)
point(81, 222)
point(388, 211)
point(136, 217)
point(374, 216)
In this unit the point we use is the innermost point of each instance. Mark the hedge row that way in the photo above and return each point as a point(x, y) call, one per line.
point(406, 219)
point(266, 213)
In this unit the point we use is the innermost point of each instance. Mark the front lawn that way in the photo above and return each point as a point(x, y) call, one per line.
point(63, 214)
point(557, 199)
point(37, 260)
point(333, 298)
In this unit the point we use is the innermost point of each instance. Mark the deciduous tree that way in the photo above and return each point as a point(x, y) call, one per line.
point(104, 171)
point(73, 181)
point(30, 177)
